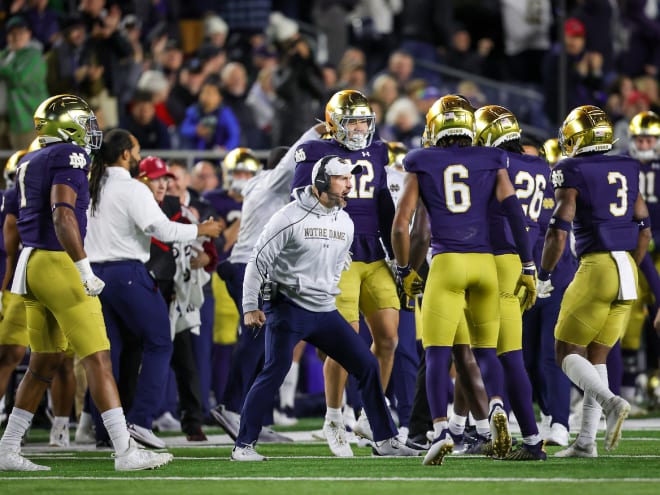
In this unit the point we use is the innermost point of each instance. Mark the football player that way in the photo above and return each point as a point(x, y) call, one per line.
point(644, 145)
point(551, 386)
point(56, 278)
point(498, 127)
point(597, 196)
point(368, 286)
point(456, 182)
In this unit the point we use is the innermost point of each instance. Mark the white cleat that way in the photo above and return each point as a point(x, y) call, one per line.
point(616, 412)
point(13, 461)
point(281, 418)
point(59, 435)
point(440, 448)
point(166, 422)
point(85, 430)
point(362, 427)
point(145, 436)
point(558, 435)
point(392, 448)
point(335, 434)
point(246, 454)
point(138, 459)
point(576, 450)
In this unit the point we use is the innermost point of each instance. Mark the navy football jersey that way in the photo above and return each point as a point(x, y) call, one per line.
point(369, 204)
point(608, 186)
point(38, 171)
point(227, 208)
point(649, 186)
point(456, 185)
point(530, 175)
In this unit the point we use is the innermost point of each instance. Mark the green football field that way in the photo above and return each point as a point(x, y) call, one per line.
point(308, 467)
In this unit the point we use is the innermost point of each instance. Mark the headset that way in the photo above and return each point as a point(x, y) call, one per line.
point(322, 179)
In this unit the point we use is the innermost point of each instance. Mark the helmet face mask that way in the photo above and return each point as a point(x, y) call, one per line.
point(350, 120)
point(586, 129)
point(451, 115)
point(495, 125)
point(644, 136)
point(243, 161)
point(68, 118)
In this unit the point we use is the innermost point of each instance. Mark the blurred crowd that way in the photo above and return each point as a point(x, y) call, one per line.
point(214, 75)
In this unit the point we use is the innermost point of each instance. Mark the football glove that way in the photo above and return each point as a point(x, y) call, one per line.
point(409, 280)
point(544, 288)
point(92, 284)
point(527, 281)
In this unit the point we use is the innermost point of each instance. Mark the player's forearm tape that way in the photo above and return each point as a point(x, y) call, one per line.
point(85, 268)
point(644, 223)
point(559, 224)
point(514, 213)
point(65, 205)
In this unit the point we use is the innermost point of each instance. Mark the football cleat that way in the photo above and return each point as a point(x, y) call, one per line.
point(392, 447)
point(14, 461)
point(499, 432)
point(362, 427)
point(577, 450)
point(229, 420)
point(59, 435)
point(145, 436)
point(527, 452)
point(479, 445)
point(616, 411)
point(246, 454)
point(166, 422)
point(85, 430)
point(441, 447)
point(335, 435)
point(266, 435)
point(137, 459)
point(558, 435)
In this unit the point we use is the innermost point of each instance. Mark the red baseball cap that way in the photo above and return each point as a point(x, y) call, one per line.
point(153, 167)
point(574, 27)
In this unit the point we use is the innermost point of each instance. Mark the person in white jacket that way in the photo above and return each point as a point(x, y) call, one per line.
point(298, 259)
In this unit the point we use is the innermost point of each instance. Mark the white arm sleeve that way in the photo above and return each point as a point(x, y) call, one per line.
point(149, 218)
point(282, 175)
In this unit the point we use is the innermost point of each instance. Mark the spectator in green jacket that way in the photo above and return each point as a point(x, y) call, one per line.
point(22, 85)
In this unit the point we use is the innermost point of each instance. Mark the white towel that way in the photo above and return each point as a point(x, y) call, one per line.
point(627, 284)
point(18, 286)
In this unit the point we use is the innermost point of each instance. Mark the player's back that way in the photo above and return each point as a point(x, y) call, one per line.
point(38, 171)
point(607, 186)
point(456, 185)
point(530, 176)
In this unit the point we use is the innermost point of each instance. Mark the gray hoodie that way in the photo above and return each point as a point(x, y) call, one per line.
point(303, 248)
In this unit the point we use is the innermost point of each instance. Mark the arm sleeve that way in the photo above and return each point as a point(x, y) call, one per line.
point(282, 175)
point(514, 213)
point(151, 220)
point(270, 243)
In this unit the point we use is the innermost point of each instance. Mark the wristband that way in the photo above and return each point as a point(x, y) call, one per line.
point(84, 268)
point(529, 269)
point(544, 275)
point(403, 271)
point(558, 223)
point(644, 223)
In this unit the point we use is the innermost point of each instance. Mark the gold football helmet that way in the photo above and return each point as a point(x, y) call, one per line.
point(451, 115)
point(67, 118)
point(586, 128)
point(11, 167)
point(551, 151)
point(644, 124)
point(345, 107)
point(495, 125)
point(395, 153)
point(239, 160)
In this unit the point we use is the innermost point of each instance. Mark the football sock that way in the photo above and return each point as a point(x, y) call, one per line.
point(288, 387)
point(115, 422)
point(591, 412)
point(483, 427)
point(457, 424)
point(334, 414)
point(60, 421)
point(584, 375)
point(18, 423)
point(438, 428)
